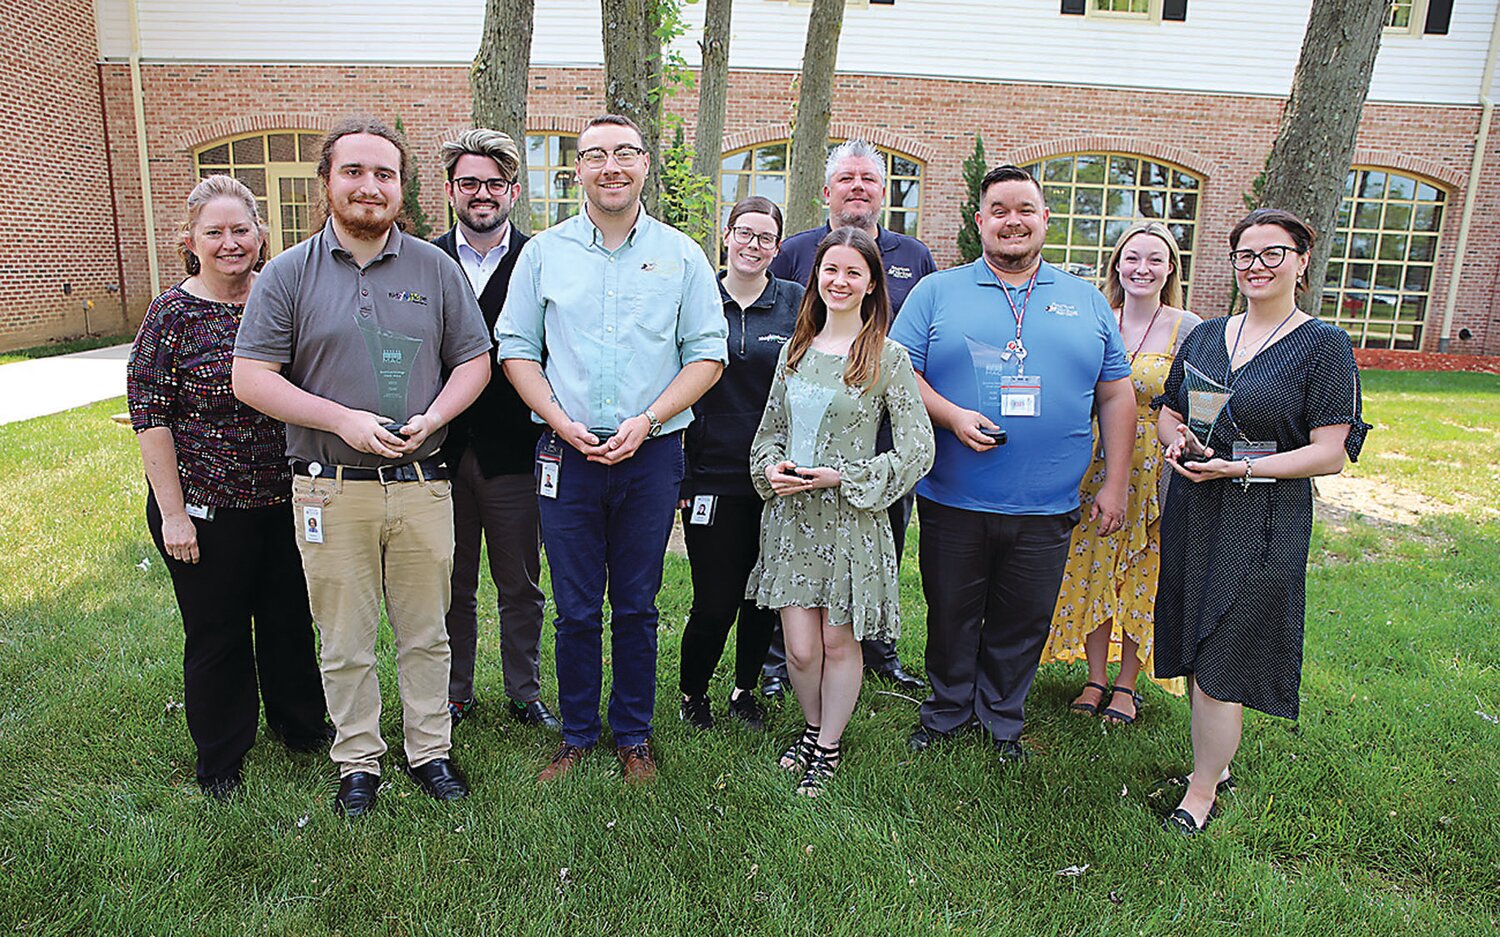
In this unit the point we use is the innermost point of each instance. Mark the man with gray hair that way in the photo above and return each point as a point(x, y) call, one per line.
point(489, 446)
point(854, 185)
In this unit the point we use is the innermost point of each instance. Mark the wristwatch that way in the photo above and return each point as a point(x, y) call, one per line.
point(655, 429)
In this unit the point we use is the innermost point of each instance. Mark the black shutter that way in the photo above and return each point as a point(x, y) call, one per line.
point(1439, 12)
point(1073, 7)
point(1174, 10)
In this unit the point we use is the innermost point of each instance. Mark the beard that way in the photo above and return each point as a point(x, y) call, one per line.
point(858, 218)
point(356, 218)
point(483, 226)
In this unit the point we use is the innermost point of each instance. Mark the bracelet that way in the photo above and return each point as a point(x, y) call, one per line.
point(1245, 479)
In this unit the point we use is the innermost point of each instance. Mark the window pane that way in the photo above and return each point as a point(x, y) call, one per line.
point(217, 156)
point(1428, 193)
point(1113, 230)
point(1402, 187)
point(904, 193)
point(772, 187)
point(250, 150)
point(1423, 248)
point(281, 148)
point(1184, 205)
point(1086, 232)
point(1393, 247)
point(1091, 169)
point(254, 179)
point(1184, 235)
point(1152, 204)
point(1398, 216)
point(1122, 170)
point(1418, 279)
point(1367, 215)
point(1372, 185)
point(1388, 276)
point(1184, 181)
point(1427, 217)
point(1088, 201)
point(901, 166)
point(1121, 203)
point(771, 158)
point(1058, 170)
point(308, 145)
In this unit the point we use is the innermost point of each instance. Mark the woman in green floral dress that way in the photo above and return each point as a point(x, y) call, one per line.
point(827, 557)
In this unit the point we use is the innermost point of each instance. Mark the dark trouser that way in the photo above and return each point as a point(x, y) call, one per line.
point(249, 570)
point(991, 582)
point(879, 655)
point(609, 524)
point(722, 555)
point(503, 512)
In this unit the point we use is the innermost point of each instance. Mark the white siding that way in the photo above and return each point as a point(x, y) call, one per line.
point(1225, 46)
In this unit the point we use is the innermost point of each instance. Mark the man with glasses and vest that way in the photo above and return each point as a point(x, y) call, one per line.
point(612, 329)
point(491, 446)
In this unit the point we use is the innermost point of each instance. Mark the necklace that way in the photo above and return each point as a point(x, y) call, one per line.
point(1144, 335)
point(1250, 348)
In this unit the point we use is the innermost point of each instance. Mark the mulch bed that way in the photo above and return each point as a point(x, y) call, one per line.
point(1384, 360)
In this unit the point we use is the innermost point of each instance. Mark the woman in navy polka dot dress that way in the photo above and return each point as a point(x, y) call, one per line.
point(1238, 517)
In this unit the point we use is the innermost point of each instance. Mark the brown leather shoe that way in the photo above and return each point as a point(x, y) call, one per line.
point(637, 763)
point(567, 758)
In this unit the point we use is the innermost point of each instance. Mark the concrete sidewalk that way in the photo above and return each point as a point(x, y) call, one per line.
point(50, 385)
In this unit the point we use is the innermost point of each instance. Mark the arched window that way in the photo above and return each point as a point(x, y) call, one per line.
point(762, 169)
point(552, 180)
point(280, 167)
point(1380, 267)
point(1095, 197)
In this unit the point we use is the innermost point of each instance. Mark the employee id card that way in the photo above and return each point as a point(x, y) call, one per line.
point(549, 467)
point(310, 506)
point(702, 510)
point(1253, 449)
point(1021, 395)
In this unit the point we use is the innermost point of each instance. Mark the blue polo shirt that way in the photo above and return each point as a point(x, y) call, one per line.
point(906, 259)
point(1072, 343)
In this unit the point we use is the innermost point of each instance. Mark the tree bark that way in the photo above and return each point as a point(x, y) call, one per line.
point(632, 75)
point(713, 92)
point(804, 201)
point(498, 83)
point(1309, 162)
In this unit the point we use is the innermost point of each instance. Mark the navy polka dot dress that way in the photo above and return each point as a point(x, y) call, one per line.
point(1230, 602)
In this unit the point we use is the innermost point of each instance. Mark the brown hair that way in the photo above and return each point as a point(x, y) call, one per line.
point(361, 124)
point(1008, 173)
point(757, 205)
point(863, 368)
point(1171, 290)
point(615, 120)
point(1299, 231)
point(212, 187)
point(483, 142)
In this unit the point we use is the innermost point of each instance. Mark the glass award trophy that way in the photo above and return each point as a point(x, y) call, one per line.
point(989, 363)
point(807, 403)
point(1206, 400)
point(391, 355)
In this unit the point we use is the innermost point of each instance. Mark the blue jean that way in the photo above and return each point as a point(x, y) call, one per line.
point(609, 524)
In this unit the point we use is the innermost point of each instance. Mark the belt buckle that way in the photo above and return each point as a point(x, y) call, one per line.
point(380, 474)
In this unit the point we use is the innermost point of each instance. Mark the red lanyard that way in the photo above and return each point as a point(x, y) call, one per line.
point(1016, 346)
point(1144, 336)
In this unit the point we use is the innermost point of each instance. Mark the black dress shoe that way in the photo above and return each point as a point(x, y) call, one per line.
point(1010, 751)
point(356, 793)
point(900, 678)
point(772, 686)
point(222, 788)
point(441, 779)
point(309, 744)
point(923, 738)
point(535, 713)
point(748, 710)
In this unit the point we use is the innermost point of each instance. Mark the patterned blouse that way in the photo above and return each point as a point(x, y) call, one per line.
point(228, 454)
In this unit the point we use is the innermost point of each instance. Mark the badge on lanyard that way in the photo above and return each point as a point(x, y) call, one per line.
point(1021, 395)
point(549, 467)
point(703, 510)
point(312, 504)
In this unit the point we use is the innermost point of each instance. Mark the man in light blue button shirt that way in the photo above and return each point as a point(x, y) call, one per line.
point(613, 328)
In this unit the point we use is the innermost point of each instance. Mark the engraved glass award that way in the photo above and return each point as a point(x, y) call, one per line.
point(1206, 400)
point(989, 364)
point(391, 355)
point(806, 404)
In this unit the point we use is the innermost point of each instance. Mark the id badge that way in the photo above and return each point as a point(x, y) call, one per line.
point(549, 467)
point(203, 512)
point(703, 510)
point(312, 523)
point(1021, 395)
point(1252, 450)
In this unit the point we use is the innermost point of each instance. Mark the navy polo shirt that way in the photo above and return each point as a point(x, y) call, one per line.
point(907, 260)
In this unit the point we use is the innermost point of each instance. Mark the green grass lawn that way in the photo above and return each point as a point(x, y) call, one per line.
point(66, 347)
point(1375, 814)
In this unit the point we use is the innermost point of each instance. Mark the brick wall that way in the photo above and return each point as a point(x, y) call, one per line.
point(57, 229)
point(1222, 138)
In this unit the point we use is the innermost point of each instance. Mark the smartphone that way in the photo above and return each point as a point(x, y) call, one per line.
point(796, 474)
point(998, 435)
point(395, 430)
point(603, 435)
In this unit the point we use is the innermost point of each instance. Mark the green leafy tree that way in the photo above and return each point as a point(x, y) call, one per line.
point(686, 199)
point(414, 219)
point(968, 234)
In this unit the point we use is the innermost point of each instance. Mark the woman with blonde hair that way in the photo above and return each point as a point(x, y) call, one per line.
point(1105, 606)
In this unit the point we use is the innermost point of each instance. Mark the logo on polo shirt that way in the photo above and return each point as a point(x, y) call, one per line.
point(783, 339)
point(900, 273)
point(1062, 309)
point(407, 296)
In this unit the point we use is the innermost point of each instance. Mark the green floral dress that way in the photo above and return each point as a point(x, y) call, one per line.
point(832, 547)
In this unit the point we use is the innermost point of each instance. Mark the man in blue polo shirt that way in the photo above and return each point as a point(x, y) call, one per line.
point(854, 185)
point(1008, 343)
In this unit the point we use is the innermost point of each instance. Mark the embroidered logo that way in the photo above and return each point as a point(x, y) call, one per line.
point(900, 273)
point(648, 266)
point(782, 339)
point(407, 296)
point(1062, 309)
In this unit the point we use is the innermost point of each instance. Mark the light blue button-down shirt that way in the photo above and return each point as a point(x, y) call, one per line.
point(613, 328)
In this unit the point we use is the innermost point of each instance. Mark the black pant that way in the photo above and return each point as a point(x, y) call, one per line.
point(249, 568)
point(991, 583)
point(722, 555)
point(879, 655)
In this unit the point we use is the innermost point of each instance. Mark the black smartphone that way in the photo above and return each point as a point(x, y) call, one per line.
point(998, 435)
point(395, 430)
point(603, 435)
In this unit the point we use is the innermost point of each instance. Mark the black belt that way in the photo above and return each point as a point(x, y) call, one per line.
point(431, 470)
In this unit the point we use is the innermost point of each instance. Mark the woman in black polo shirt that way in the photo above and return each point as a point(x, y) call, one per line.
point(720, 509)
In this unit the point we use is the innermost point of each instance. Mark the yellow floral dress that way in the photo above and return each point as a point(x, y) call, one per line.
point(1113, 579)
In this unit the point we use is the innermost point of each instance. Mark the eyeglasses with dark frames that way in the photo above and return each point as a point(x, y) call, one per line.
point(469, 185)
point(744, 235)
point(1270, 257)
point(626, 155)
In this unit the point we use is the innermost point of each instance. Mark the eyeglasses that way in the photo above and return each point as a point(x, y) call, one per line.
point(745, 236)
point(626, 155)
point(1272, 257)
point(469, 185)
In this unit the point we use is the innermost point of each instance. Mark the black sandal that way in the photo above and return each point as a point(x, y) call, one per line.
point(1180, 821)
point(1181, 780)
point(1117, 715)
point(1094, 709)
point(824, 762)
point(799, 754)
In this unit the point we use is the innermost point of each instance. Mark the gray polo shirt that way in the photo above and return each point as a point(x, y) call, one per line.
point(328, 320)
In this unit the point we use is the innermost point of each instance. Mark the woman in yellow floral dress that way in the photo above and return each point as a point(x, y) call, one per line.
point(1104, 609)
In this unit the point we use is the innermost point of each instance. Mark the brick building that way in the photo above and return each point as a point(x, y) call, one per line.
point(1098, 95)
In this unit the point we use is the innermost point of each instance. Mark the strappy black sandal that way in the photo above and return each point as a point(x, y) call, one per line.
point(1117, 715)
point(1180, 821)
point(799, 754)
point(824, 762)
point(1094, 709)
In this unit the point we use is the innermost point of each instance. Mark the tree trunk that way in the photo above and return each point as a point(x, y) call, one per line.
point(498, 83)
point(804, 201)
point(1308, 164)
point(713, 90)
point(632, 75)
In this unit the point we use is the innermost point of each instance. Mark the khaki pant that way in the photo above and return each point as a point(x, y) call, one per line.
point(396, 539)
